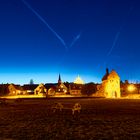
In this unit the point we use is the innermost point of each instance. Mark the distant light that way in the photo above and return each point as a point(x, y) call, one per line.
point(24, 96)
point(78, 80)
point(131, 88)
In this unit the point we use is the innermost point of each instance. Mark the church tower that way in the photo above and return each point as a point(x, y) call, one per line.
point(110, 87)
point(59, 79)
point(61, 89)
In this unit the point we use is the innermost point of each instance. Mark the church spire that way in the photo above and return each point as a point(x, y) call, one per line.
point(59, 79)
point(107, 71)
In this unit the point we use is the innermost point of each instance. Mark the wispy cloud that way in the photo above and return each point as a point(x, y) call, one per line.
point(45, 22)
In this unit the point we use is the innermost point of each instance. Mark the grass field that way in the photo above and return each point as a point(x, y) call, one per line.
point(99, 119)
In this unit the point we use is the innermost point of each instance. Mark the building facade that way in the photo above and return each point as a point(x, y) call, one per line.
point(110, 87)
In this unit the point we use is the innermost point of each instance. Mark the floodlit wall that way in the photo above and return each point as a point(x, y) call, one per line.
point(110, 88)
point(112, 85)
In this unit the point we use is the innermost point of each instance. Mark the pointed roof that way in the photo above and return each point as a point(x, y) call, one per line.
point(114, 73)
point(106, 75)
point(59, 79)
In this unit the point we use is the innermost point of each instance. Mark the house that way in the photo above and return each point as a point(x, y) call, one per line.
point(51, 89)
point(75, 89)
point(40, 90)
point(15, 90)
point(61, 89)
point(110, 87)
point(29, 88)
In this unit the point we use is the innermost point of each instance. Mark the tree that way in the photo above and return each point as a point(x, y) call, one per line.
point(89, 89)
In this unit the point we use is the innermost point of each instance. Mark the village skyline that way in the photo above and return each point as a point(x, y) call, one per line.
point(70, 69)
point(111, 86)
point(47, 78)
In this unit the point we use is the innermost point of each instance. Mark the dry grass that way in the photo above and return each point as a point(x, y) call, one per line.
point(99, 119)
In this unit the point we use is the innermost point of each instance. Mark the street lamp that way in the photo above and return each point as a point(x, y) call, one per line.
point(131, 88)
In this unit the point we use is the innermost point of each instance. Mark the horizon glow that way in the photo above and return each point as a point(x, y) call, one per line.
point(98, 34)
point(24, 78)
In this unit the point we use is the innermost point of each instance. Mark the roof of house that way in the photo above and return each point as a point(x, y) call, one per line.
point(29, 86)
point(50, 85)
point(114, 73)
point(17, 87)
point(74, 86)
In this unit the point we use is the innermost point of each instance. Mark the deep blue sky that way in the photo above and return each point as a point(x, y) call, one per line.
point(109, 36)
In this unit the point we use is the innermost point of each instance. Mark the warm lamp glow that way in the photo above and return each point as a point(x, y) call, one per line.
point(78, 80)
point(24, 96)
point(131, 88)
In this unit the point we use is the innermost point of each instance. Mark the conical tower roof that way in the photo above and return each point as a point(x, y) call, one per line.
point(106, 75)
point(114, 73)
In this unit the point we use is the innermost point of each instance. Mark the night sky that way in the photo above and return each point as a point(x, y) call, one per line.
point(41, 38)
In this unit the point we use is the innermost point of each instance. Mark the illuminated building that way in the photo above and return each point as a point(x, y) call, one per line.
point(51, 91)
point(110, 87)
point(61, 88)
point(29, 88)
point(15, 90)
point(75, 89)
point(78, 80)
point(40, 90)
